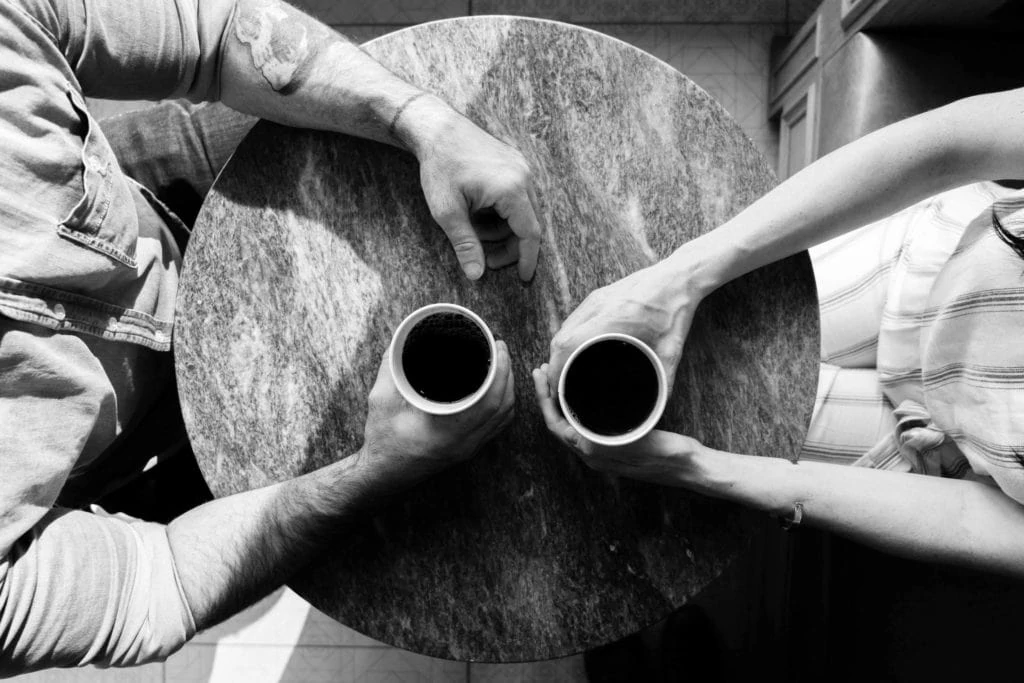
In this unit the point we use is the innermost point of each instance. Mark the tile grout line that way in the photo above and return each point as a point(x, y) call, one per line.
point(297, 645)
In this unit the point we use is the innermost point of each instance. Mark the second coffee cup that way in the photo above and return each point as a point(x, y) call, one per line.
point(613, 389)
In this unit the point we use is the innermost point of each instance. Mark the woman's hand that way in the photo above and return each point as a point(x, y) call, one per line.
point(660, 457)
point(654, 305)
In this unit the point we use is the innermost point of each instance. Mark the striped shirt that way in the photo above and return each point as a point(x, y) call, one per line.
point(922, 315)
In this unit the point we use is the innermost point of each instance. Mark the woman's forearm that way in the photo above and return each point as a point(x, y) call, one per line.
point(928, 518)
point(866, 180)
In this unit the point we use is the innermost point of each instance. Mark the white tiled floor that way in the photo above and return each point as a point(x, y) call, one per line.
point(282, 639)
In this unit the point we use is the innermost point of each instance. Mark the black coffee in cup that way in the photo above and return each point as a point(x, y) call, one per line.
point(611, 387)
point(446, 357)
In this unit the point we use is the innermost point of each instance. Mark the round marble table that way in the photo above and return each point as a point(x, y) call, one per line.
point(312, 247)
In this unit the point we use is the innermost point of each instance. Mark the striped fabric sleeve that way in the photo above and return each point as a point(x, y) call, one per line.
point(852, 274)
point(972, 351)
point(875, 287)
point(850, 416)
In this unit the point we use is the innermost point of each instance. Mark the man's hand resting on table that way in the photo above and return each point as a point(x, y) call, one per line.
point(479, 190)
point(324, 81)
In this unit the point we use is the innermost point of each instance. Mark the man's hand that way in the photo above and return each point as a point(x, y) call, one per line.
point(282, 65)
point(646, 305)
point(479, 190)
point(660, 457)
point(403, 445)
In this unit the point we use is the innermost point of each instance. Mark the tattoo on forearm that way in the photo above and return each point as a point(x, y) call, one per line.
point(280, 42)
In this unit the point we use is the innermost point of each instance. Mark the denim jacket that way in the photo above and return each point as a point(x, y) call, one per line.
point(83, 248)
point(86, 251)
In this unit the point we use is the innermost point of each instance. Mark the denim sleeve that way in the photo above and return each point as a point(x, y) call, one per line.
point(152, 50)
point(82, 588)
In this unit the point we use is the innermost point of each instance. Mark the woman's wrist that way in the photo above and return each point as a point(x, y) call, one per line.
point(687, 276)
point(761, 483)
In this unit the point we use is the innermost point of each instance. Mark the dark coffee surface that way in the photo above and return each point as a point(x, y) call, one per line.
point(446, 357)
point(611, 387)
point(312, 248)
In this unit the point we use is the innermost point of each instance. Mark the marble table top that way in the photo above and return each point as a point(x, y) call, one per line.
point(312, 247)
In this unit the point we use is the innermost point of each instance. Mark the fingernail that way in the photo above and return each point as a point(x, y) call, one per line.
point(474, 271)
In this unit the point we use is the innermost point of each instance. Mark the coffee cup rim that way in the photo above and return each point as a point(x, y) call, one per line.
point(398, 375)
point(643, 428)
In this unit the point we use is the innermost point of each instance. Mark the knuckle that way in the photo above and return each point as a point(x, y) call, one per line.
point(464, 247)
point(515, 180)
point(444, 215)
point(519, 176)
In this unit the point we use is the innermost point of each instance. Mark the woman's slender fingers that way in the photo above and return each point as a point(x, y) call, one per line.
point(553, 418)
point(502, 376)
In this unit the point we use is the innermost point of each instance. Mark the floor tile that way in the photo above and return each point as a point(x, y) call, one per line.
point(258, 664)
point(283, 618)
point(566, 670)
point(379, 665)
point(150, 673)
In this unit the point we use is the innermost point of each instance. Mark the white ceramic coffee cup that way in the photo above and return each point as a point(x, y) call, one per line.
point(652, 418)
point(397, 347)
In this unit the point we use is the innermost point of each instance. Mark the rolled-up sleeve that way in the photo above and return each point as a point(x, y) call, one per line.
point(140, 50)
point(76, 587)
point(90, 589)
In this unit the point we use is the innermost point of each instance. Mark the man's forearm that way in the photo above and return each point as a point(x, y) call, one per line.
point(283, 65)
point(917, 516)
point(232, 551)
